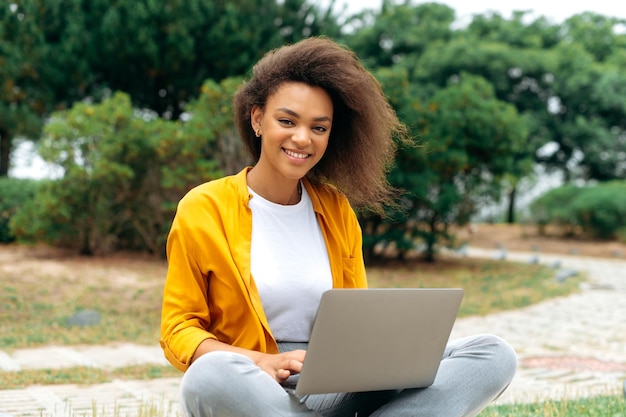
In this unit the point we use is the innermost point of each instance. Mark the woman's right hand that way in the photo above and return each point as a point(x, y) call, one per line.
point(281, 365)
point(278, 365)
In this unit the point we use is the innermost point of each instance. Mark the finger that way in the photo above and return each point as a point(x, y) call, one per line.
point(282, 375)
point(293, 366)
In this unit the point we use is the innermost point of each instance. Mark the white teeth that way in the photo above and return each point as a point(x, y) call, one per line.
point(296, 155)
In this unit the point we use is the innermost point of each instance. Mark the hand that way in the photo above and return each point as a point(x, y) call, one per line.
point(280, 365)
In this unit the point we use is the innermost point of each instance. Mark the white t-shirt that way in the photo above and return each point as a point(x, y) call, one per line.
point(289, 264)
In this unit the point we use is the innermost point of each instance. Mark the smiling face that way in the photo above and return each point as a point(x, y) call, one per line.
point(295, 127)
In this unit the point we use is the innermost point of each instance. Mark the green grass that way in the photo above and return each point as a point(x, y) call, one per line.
point(83, 375)
point(602, 406)
point(37, 302)
point(490, 286)
point(588, 407)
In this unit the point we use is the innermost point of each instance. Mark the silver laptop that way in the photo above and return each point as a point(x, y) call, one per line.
point(378, 339)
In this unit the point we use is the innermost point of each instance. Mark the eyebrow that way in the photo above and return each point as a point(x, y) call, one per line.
point(294, 114)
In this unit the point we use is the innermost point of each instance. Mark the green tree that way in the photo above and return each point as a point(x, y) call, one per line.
point(574, 100)
point(398, 32)
point(471, 141)
point(107, 188)
point(29, 72)
point(516, 59)
point(588, 117)
point(54, 52)
point(161, 52)
point(468, 140)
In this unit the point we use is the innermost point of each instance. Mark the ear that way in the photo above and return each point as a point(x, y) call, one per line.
point(256, 116)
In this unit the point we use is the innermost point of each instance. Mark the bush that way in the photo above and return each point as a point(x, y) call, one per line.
point(601, 210)
point(124, 172)
point(598, 210)
point(14, 193)
point(554, 207)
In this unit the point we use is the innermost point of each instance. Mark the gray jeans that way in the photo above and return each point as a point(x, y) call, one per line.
point(473, 372)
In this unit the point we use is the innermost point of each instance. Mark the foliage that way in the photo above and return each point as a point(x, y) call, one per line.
point(601, 406)
point(398, 31)
point(565, 84)
point(601, 209)
point(14, 193)
point(468, 140)
point(179, 44)
point(587, 120)
point(120, 165)
point(212, 112)
point(44, 65)
point(597, 210)
point(56, 52)
point(554, 207)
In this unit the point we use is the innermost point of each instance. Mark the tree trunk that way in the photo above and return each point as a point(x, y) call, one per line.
point(5, 150)
point(511, 211)
point(431, 240)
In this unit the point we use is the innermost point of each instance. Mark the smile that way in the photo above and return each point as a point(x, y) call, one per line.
point(296, 155)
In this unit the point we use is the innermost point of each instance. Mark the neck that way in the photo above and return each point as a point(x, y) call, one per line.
point(284, 193)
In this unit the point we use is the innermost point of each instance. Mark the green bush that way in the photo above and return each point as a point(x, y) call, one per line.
point(601, 210)
point(14, 193)
point(554, 207)
point(124, 172)
point(597, 210)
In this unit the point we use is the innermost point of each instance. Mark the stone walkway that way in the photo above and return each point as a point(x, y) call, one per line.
point(568, 347)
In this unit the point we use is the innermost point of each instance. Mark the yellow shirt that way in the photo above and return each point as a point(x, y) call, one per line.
point(209, 291)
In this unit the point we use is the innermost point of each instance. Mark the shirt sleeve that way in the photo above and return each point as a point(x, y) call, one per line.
point(185, 311)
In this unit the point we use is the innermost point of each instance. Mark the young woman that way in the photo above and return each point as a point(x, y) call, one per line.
point(250, 254)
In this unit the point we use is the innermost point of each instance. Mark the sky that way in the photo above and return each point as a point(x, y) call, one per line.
point(554, 10)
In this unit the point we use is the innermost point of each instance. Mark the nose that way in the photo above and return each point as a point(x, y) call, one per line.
point(301, 136)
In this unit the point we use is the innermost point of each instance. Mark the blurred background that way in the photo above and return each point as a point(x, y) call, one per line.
point(111, 110)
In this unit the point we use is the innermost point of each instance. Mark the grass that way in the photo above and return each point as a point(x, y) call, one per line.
point(490, 286)
point(83, 375)
point(602, 406)
point(36, 303)
point(35, 306)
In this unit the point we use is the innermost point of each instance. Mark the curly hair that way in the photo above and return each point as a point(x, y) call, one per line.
point(361, 146)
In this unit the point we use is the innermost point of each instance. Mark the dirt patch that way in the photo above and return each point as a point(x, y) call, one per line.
point(526, 238)
point(133, 269)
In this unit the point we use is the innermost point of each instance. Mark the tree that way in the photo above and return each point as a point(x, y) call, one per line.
point(587, 120)
point(33, 76)
point(59, 51)
point(471, 139)
point(398, 32)
point(517, 60)
point(178, 44)
point(467, 143)
point(574, 103)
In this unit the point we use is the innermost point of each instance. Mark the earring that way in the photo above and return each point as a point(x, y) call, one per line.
point(257, 132)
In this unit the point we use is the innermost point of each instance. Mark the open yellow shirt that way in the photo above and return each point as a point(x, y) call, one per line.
point(209, 291)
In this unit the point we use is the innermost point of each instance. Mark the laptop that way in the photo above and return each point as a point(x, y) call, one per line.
point(377, 339)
